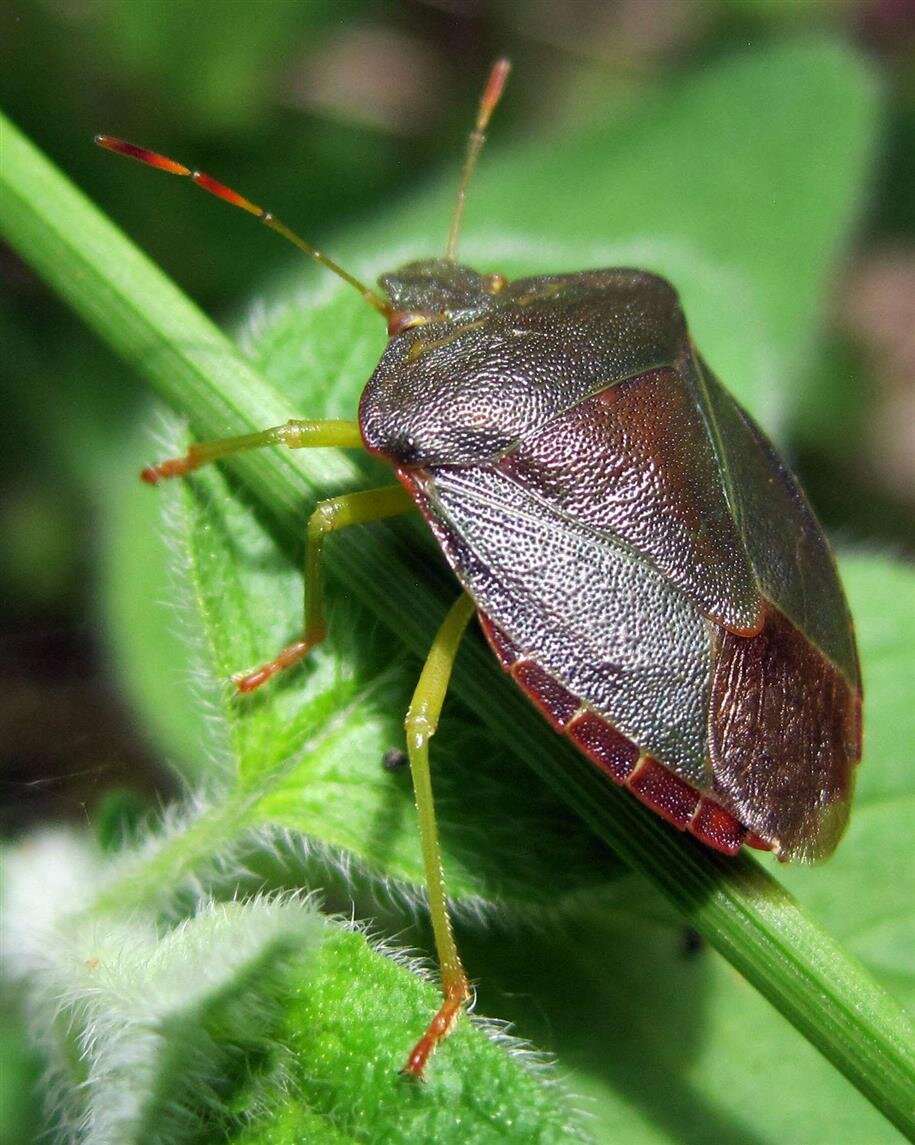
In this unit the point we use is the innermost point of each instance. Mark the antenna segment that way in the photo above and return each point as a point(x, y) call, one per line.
point(492, 93)
point(221, 191)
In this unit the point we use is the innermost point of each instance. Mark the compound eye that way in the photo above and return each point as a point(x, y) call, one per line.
point(401, 320)
point(404, 448)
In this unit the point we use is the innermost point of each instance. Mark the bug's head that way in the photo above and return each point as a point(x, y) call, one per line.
point(435, 290)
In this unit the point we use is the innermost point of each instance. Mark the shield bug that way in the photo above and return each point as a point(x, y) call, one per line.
point(641, 561)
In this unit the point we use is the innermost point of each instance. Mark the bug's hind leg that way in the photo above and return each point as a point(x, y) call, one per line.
point(295, 434)
point(334, 513)
point(421, 722)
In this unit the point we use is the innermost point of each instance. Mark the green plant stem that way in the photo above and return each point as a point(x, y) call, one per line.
point(739, 908)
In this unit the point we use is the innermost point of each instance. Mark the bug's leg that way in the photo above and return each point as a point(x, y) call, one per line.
point(334, 513)
point(295, 434)
point(420, 724)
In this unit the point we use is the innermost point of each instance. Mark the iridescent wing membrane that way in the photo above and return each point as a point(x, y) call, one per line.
point(644, 564)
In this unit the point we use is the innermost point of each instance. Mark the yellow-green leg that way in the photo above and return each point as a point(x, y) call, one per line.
point(421, 722)
point(295, 434)
point(334, 513)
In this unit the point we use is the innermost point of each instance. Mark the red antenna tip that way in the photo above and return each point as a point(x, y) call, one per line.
point(141, 154)
point(495, 85)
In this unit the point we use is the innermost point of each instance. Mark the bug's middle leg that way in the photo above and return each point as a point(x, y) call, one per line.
point(328, 516)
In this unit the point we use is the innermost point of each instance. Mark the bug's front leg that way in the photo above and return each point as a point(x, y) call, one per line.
point(294, 434)
point(328, 516)
point(421, 722)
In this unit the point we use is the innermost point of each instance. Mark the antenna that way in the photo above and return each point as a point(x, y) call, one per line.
point(492, 93)
point(221, 191)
